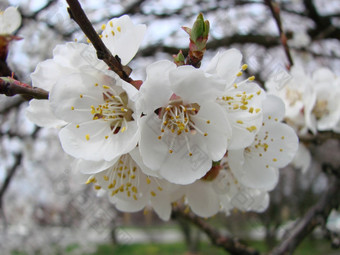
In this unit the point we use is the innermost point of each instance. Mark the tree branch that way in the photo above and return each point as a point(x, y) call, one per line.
point(275, 10)
point(11, 87)
point(78, 15)
point(316, 216)
point(9, 177)
point(229, 244)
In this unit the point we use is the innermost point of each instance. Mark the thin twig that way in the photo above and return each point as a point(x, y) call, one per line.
point(275, 10)
point(11, 87)
point(229, 244)
point(314, 217)
point(78, 15)
point(7, 181)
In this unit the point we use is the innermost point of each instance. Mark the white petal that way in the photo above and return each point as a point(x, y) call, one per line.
point(76, 56)
point(10, 20)
point(193, 85)
point(218, 130)
point(202, 199)
point(251, 174)
point(40, 113)
point(226, 65)
point(89, 140)
point(123, 38)
point(92, 167)
point(274, 107)
point(73, 95)
point(302, 159)
point(157, 83)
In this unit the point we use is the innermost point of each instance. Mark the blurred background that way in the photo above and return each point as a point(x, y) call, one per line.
point(44, 208)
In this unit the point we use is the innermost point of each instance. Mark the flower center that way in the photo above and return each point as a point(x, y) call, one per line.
point(320, 109)
point(178, 121)
point(115, 110)
point(126, 180)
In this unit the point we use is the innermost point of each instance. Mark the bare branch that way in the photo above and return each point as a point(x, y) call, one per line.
point(229, 244)
point(78, 15)
point(316, 216)
point(275, 10)
point(11, 87)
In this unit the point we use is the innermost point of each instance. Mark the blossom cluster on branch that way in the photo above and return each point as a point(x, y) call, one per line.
point(202, 136)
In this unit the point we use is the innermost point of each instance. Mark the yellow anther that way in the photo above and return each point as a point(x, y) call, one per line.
point(123, 129)
point(251, 128)
point(205, 134)
point(110, 186)
point(106, 87)
point(134, 197)
point(148, 180)
point(111, 24)
point(159, 188)
point(87, 137)
point(90, 180)
point(77, 126)
point(281, 150)
point(106, 178)
point(96, 84)
point(251, 109)
point(119, 29)
point(235, 85)
point(244, 67)
point(239, 74)
point(132, 176)
point(236, 106)
point(208, 121)
point(258, 92)
point(257, 110)
point(88, 40)
point(159, 137)
point(97, 187)
point(103, 26)
point(106, 137)
point(153, 193)
point(239, 122)
point(170, 151)
point(100, 36)
point(251, 78)
point(134, 189)
point(113, 33)
point(274, 159)
point(269, 117)
point(190, 154)
point(282, 137)
point(81, 95)
point(243, 107)
point(76, 40)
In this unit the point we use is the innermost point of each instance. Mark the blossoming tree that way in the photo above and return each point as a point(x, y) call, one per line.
point(190, 137)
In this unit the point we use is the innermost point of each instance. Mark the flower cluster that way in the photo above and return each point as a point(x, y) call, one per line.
point(199, 136)
point(311, 101)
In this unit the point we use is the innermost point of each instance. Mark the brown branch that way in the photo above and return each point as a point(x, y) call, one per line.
point(78, 15)
point(11, 172)
point(275, 10)
point(11, 87)
point(229, 244)
point(320, 137)
point(314, 217)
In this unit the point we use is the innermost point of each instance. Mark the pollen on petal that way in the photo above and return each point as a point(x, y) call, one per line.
point(87, 137)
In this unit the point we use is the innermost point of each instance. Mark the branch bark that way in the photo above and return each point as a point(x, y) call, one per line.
point(275, 10)
point(228, 244)
point(11, 87)
point(78, 15)
point(314, 217)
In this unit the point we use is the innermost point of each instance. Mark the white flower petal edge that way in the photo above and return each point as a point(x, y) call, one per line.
point(123, 38)
point(10, 20)
point(40, 113)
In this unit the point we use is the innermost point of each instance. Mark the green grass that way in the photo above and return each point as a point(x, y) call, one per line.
point(308, 247)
